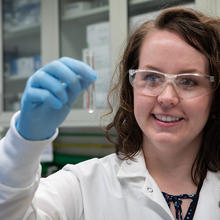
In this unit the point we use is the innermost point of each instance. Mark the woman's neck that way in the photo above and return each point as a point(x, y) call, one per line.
point(171, 169)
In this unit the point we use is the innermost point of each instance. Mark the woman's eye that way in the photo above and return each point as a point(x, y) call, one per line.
point(187, 82)
point(151, 78)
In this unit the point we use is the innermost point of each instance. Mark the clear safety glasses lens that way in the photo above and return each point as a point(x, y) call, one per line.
point(187, 85)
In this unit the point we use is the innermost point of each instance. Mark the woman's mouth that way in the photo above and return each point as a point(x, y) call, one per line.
point(167, 119)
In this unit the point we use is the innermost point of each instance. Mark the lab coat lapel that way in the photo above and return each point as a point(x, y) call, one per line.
point(208, 206)
point(137, 168)
point(133, 168)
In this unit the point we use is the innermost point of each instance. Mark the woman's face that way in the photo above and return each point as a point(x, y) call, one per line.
point(167, 52)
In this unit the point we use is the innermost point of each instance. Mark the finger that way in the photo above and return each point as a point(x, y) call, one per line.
point(63, 73)
point(48, 82)
point(85, 74)
point(36, 97)
point(80, 68)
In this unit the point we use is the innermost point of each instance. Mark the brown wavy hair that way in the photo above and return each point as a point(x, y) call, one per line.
point(202, 33)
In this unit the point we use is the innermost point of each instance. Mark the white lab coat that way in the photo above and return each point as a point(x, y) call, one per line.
point(98, 189)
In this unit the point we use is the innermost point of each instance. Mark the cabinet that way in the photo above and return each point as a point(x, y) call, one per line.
point(60, 29)
point(20, 51)
point(20, 48)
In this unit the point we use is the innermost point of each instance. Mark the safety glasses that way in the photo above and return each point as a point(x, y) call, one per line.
point(187, 85)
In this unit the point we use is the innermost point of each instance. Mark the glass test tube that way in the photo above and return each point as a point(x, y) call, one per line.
point(90, 93)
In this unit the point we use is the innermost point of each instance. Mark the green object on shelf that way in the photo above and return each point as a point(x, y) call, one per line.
point(69, 159)
point(92, 135)
point(81, 134)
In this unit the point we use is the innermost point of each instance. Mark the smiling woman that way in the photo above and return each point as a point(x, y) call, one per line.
point(172, 111)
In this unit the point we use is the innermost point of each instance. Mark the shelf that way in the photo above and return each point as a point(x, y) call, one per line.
point(87, 15)
point(15, 84)
point(22, 31)
point(11, 79)
point(132, 2)
point(77, 120)
point(144, 6)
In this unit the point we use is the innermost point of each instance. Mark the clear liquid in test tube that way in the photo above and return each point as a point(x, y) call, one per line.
point(90, 93)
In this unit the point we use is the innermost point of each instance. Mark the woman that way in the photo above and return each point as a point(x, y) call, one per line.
point(167, 161)
point(177, 133)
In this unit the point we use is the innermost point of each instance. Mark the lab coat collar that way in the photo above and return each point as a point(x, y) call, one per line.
point(133, 168)
point(137, 169)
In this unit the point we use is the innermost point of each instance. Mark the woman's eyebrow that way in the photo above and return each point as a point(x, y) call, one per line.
point(152, 68)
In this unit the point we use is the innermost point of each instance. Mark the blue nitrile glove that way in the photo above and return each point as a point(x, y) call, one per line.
point(49, 95)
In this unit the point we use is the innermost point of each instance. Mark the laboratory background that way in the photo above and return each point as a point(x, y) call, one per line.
point(34, 32)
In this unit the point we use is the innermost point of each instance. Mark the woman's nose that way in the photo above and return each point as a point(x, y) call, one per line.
point(168, 97)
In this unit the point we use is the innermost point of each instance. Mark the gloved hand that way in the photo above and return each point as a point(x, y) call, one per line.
point(49, 95)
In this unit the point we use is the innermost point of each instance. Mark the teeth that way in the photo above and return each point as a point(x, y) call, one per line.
point(166, 118)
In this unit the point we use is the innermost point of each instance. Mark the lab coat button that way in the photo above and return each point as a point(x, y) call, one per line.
point(149, 189)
